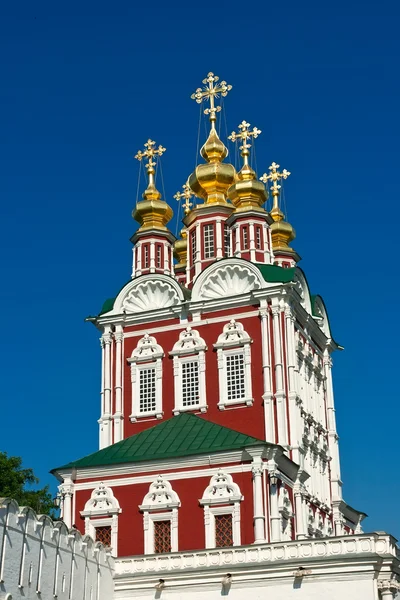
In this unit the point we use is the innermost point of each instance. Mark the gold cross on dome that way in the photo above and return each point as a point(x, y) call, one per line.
point(150, 152)
point(274, 176)
point(186, 194)
point(211, 90)
point(244, 134)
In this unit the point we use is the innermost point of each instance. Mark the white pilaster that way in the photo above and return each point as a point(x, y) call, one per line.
point(332, 435)
point(258, 505)
point(275, 517)
point(269, 416)
point(106, 419)
point(220, 238)
point(301, 532)
point(152, 257)
point(118, 415)
point(67, 489)
point(279, 380)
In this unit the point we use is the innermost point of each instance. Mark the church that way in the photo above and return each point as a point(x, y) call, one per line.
point(218, 466)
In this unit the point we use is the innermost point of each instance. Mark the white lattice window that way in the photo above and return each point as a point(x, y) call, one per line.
point(221, 501)
point(101, 517)
point(158, 255)
point(208, 233)
point(245, 238)
point(227, 241)
point(160, 518)
point(146, 379)
point(258, 237)
point(193, 246)
point(146, 259)
point(189, 372)
point(234, 365)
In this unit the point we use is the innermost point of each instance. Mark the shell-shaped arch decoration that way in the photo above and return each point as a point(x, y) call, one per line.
point(148, 292)
point(227, 279)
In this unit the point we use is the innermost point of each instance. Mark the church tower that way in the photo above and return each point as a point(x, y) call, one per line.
point(217, 419)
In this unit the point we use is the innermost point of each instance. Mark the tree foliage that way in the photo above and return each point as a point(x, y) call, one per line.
point(16, 482)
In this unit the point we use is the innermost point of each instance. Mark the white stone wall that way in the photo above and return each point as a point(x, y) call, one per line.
point(43, 559)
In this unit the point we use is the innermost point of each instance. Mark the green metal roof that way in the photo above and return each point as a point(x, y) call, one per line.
point(275, 274)
point(183, 435)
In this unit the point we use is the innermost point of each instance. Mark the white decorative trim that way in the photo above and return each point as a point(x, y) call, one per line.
point(286, 511)
point(301, 286)
point(146, 356)
point(229, 278)
point(146, 293)
point(221, 490)
point(102, 503)
point(233, 341)
point(160, 496)
point(189, 348)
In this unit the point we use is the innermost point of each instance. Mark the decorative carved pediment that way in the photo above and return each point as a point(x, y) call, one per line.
point(146, 349)
point(150, 295)
point(189, 342)
point(101, 502)
point(160, 496)
point(226, 280)
point(222, 489)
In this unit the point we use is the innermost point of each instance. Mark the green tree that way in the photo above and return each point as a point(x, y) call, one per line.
point(15, 483)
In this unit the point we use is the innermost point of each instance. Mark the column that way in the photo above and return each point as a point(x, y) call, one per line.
point(252, 245)
point(388, 589)
point(100, 421)
point(294, 409)
point(273, 503)
point(118, 415)
point(220, 237)
point(331, 426)
point(237, 240)
point(279, 381)
point(269, 417)
point(170, 249)
point(258, 505)
point(133, 261)
point(106, 420)
point(301, 533)
point(152, 257)
point(67, 490)
point(198, 251)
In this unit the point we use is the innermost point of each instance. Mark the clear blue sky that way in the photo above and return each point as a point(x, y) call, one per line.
point(82, 89)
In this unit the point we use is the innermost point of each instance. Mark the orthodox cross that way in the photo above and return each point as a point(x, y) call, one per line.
point(274, 176)
point(150, 152)
point(244, 134)
point(186, 194)
point(211, 90)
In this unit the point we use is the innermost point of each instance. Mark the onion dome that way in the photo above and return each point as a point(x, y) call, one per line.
point(210, 181)
point(180, 250)
point(152, 212)
point(247, 193)
point(282, 232)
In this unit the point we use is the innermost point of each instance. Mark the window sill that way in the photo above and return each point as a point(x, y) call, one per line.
point(236, 403)
point(181, 409)
point(146, 416)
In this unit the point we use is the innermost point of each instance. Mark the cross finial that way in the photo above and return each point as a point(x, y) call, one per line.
point(150, 152)
point(274, 176)
point(244, 134)
point(211, 90)
point(186, 194)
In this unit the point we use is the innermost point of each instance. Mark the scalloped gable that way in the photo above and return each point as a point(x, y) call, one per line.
point(183, 435)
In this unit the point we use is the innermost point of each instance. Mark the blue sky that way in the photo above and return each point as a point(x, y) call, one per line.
point(81, 90)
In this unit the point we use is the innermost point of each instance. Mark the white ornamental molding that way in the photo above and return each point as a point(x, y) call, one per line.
point(222, 490)
point(189, 342)
point(146, 293)
point(301, 287)
point(101, 502)
point(227, 279)
point(147, 349)
point(233, 335)
point(160, 496)
point(284, 504)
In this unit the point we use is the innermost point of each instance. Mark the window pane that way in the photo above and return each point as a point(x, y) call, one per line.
point(235, 376)
point(162, 536)
point(193, 247)
point(223, 531)
point(258, 238)
point(190, 383)
point(245, 238)
point(103, 535)
point(159, 256)
point(147, 390)
point(227, 241)
point(208, 241)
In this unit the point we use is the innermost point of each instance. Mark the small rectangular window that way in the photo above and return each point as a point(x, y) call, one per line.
point(245, 238)
point(103, 535)
point(208, 241)
point(146, 261)
point(258, 238)
point(190, 383)
point(159, 250)
point(223, 531)
point(147, 390)
point(193, 247)
point(162, 537)
point(235, 383)
point(227, 241)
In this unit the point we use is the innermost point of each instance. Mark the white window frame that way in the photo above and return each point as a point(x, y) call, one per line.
point(221, 497)
point(258, 237)
point(189, 348)
point(245, 233)
point(227, 241)
point(160, 497)
point(193, 246)
point(233, 340)
point(147, 355)
point(103, 505)
point(209, 240)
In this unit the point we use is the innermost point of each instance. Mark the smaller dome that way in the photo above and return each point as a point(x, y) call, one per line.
point(282, 232)
point(152, 212)
point(180, 249)
point(247, 193)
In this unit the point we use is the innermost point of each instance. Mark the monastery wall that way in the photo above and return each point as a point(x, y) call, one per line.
point(40, 558)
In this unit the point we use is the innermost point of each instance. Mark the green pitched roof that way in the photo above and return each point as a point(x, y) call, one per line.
point(275, 274)
point(183, 435)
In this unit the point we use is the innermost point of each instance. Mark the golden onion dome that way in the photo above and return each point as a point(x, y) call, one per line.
point(211, 181)
point(180, 249)
point(152, 212)
point(282, 232)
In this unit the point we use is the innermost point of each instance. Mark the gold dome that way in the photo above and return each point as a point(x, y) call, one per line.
point(180, 250)
point(282, 232)
point(210, 181)
point(152, 212)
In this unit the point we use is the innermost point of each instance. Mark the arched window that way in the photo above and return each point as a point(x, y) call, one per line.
point(221, 501)
point(101, 517)
point(234, 365)
point(189, 372)
point(146, 378)
point(160, 518)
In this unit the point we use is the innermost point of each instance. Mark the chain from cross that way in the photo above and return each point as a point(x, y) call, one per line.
point(212, 90)
point(150, 152)
point(186, 194)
